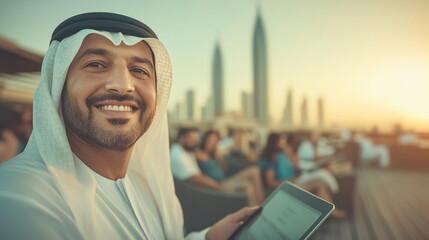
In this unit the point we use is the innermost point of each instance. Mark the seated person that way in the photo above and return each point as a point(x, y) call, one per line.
point(9, 141)
point(324, 145)
point(309, 154)
point(247, 146)
point(238, 144)
point(25, 126)
point(312, 148)
point(210, 159)
point(373, 153)
point(227, 144)
point(213, 164)
point(278, 163)
point(408, 138)
point(184, 166)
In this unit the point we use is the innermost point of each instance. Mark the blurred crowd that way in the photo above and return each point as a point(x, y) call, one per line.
point(241, 162)
point(15, 129)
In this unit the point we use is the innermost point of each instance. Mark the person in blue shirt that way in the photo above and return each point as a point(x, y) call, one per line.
point(279, 163)
point(210, 160)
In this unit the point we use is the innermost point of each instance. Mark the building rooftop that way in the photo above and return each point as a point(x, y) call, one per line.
point(388, 204)
point(14, 59)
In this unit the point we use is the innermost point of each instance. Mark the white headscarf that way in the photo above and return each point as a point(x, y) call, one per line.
point(150, 158)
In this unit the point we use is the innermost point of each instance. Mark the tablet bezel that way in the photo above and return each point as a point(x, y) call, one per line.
point(302, 195)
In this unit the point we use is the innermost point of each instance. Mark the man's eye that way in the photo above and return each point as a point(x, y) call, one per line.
point(95, 65)
point(139, 71)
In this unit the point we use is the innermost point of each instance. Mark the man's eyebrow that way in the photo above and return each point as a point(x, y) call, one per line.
point(143, 60)
point(96, 51)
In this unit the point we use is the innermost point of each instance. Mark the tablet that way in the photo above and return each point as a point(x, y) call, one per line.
point(290, 212)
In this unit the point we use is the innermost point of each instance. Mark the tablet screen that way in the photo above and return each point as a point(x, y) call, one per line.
point(283, 217)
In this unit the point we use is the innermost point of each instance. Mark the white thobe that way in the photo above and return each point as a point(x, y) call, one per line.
point(31, 207)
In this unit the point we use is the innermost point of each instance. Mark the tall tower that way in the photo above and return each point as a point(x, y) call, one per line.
point(260, 88)
point(287, 115)
point(178, 111)
point(190, 104)
point(217, 82)
point(207, 112)
point(320, 112)
point(304, 113)
point(246, 104)
point(204, 113)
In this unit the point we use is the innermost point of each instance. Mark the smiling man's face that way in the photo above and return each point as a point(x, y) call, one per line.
point(109, 95)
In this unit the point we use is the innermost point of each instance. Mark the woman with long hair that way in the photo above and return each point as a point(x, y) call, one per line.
point(279, 163)
point(212, 164)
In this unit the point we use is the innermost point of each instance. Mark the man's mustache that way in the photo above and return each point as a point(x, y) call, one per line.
point(94, 99)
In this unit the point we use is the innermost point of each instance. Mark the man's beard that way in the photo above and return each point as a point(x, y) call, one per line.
point(87, 128)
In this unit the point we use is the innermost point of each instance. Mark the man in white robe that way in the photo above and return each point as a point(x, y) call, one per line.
point(97, 163)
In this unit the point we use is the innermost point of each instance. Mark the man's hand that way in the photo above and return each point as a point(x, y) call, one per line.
point(227, 225)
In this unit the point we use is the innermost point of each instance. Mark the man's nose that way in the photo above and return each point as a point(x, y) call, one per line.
point(120, 81)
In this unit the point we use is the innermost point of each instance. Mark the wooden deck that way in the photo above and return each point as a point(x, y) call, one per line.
point(388, 205)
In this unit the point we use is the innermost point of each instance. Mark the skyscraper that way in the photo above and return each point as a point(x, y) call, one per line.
point(246, 104)
point(260, 81)
point(287, 114)
point(320, 112)
point(217, 81)
point(178, 112)
point(304, 113)
point(204, 113)
point(207, 112)
point(190, 104)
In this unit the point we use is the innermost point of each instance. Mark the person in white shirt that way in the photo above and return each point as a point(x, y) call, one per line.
point(308, 157)
point(184, 166)
point(182, 155)
point(372, 153)
point(408, 138)
point(97, 162)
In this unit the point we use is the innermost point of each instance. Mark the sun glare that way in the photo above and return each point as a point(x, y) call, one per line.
point(406, 89)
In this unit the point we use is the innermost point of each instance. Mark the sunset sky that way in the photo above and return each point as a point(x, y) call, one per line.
point(369, 59)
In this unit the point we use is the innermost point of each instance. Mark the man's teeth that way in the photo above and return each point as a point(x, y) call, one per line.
point(116, 108)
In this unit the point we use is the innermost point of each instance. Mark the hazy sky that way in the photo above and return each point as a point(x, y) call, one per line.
point(369, 59)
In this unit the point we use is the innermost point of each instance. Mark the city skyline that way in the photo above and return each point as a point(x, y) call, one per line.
point(251, 102)
point(185, 111)
point(367, 59)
